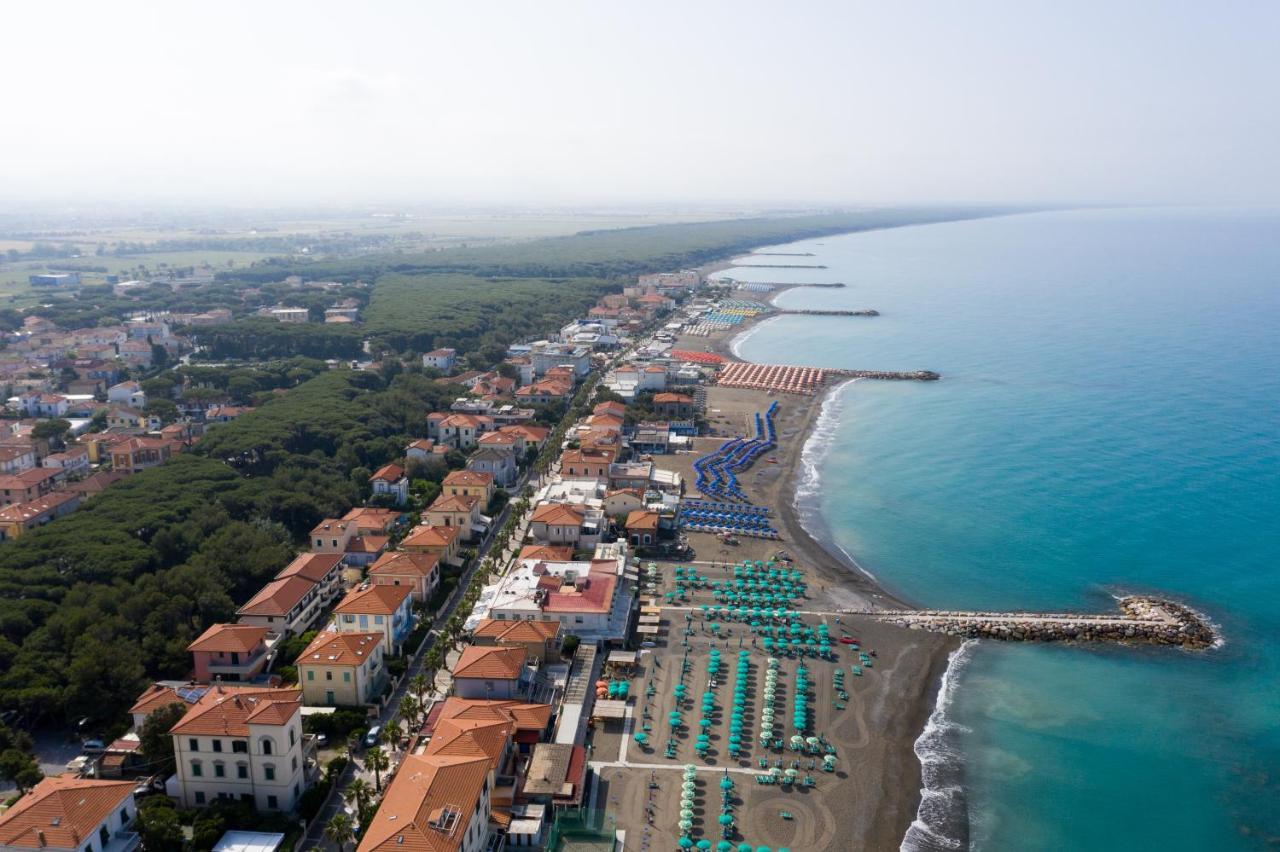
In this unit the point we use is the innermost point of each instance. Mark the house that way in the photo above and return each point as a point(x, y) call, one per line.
point(546, 356)
point(333, 535)
point(390, 481)
point(435, 803)
point(126, 418)
point(373, 521)
point(443, 360)
point(66, 813)
point(652, 438)
point(94, 484)
point(225, 413)
point(642, 528)
point(586, 463)
point(533, 436)
point(500, 463)
point(653, 378)
point(18, 518)
point(287, 606)
point(362, 550)
point(234, 652)
point(545, 391)
point(630, 475)
point(73, 461)
point(128, 394)
point(342, 669)
point(100, 444)
point(674, 406)
point(462, 512)
point(442, 541)
point(588, 598)
point(557, 523)
point(547, 552)
point(420, 450)
point(555, 776)
point(540, 639)
point(15, 459)
point(138, 454)
point(458, 431)
point(419, 571)
point(383, 609)
point(611, 408)
point(491, 671)
point(323, 569)
point(623, 501)
point(469, 483)
point(501, 440)
point(239, 743)
point(27, 485)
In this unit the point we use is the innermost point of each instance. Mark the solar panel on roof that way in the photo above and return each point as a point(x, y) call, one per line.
point(191, 694)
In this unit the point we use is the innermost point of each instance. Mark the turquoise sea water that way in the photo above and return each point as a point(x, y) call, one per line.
point(1108, 420)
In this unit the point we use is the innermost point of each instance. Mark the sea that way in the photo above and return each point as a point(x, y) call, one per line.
point(1108, 421)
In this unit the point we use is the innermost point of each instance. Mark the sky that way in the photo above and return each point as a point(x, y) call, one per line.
point(805, 103)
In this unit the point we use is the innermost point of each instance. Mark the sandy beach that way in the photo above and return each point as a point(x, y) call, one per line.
point(873, 798)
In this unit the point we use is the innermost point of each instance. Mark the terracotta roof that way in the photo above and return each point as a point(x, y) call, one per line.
point(374, 600)
point(530, 433)
point(526, 716)
point(156, 696)
point(311, 566)
point(517, 631)
point(557, 514)
point(413, 816)
point(429, 536)
point(454, 503)
point(547, 552)
point(490, 662)
point(331, 648)
point(61, 812)
point(278, 597)
point(642, 520)
point(401, 563)
point(371, 519)
point(502, 438)
point(229, 710)
point(388, 472)
point(330, 526)
point(368, 544)
point(467, 737)
point(673, 397)
point(617, 409)
point(229, 638)
point(468, 477)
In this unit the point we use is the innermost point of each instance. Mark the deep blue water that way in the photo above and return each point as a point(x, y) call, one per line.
point(1108, 420)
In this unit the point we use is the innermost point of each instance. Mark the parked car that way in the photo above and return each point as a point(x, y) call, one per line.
point(371, 738)
point(322, 740)
point(94, 747)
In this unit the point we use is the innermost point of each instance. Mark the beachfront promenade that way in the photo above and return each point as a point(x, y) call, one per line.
point(1142, 619)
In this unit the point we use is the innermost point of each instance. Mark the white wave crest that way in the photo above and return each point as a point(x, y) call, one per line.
point(735, 345)
point(819, 443)
point(942, 802)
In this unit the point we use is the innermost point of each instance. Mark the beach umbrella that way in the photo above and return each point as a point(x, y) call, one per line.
point(813, 741)
point(704, 844)
point(689, 767)
point(686, 814)
point(686, 843)
point(726, 819)
point(641, 737)
point(685, 825)
point(763, 849)
point(792, 773)
point(746, 847)
point(726, 783)
point(724, 846)
point(689, 786)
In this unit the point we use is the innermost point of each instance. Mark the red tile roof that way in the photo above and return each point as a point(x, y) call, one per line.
point(331, 648)
point(373, 599)
point(61, 812)
point(229, 638)
point(490, 662)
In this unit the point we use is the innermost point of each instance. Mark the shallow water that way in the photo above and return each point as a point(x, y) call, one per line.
point(1108, 420)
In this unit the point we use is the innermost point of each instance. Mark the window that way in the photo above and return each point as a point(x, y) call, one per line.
point(346, 677)
point(268, 745)
point(239, 747)
point(219, 769)
point(311, 674)
point(319, 542)
point(295, 764)
point(328, 675)
point(273, 803)
point(377, 619)
point(242, 770)
point(124, 817)
point(293, 737)
point(269, 772)
point(197, 770)
point(217, 745)
point(193, 744)
point(199, 797)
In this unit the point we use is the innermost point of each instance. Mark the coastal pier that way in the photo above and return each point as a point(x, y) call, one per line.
point(781, 265)
point(888, 375)
point(1141, 619)
point(868, 312)
point(782, 254)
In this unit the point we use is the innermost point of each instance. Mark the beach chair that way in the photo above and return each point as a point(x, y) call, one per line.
point(809, 782)
point(787, 815)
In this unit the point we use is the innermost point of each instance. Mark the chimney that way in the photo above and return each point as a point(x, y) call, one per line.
point(40, 838)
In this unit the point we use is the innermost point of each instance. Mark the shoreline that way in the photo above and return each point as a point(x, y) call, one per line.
point(918, 696)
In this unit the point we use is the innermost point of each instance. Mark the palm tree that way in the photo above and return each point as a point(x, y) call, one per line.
point(375, 759)
point(410, 710)
point(420, 685)
point(359, 792)
point(391, 733)
point(340, 830)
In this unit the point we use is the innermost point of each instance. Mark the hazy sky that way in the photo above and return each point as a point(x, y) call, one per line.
point(555, 102)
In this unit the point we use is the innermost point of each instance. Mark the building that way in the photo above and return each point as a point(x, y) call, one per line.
point(284, 314)
point(547, 552)
point(674, 406)
point(469, 483)
point(443, 542)
point(623, 501)
point(390, 481)
point(287, 606)
point(70, 814)
point(16, 458)
point(557, 523)
point(243, 744)
point(556, 775)
point(342, 669)
point(73, 461)
point(322, 569)
point(500, 463)
point(462, 512)
point(127, 393)
point(540, 639)
point(232, 652)
point(373, 521)
point(419, 571)
point(491, 671)
point(27, 485)
point(457, 431)
point(586, 463)
point(546, 356)
point(420, 450)
point(140, 453)
point(435, 803)
point(18, 518)
point(44, 404)
point(124, 417)
point(333, 535)
point(54, 279)
point(533, 436)
point(642, 528)
point(443, 360)
point(379, 608)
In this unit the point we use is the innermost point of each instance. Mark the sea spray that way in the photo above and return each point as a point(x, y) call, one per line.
point(941, 821)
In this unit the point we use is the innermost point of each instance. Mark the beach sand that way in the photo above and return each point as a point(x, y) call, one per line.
point(873, 798)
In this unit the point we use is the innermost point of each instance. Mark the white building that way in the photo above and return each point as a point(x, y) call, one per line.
point(127, 393)
point(243, 744)
point(441, 359)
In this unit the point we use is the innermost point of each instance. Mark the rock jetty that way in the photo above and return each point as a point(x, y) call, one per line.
point(888, 375)
point(1144, 619)
point(864, 313)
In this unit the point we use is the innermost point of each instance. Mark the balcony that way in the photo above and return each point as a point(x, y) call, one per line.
point(123, 841)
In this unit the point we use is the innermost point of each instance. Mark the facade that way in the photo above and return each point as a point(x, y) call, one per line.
point(230, 652)
point(287, 606)
point(556, 523)
point(491, 672)
point(70, 814)
point(500, 463)
point(586, 464)
point(18, 518)
point(140, 453)
point(441, 359)
point(469, 483)
point(443, 542)
point(460, 512)
point(642, 528)
point(342, 669)
point(435, 803)
point(458, 431)
point(390, 481)
point(242, 744)
point(419, 571)
point(674, 406)
point(377, 608)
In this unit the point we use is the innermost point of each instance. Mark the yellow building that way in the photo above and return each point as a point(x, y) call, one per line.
point(342, 669)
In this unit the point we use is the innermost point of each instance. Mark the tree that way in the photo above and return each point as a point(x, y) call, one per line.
point(391, 733)
point(340, 831)
point(419, 684)
point(162, 408)
point(360, 793)
point(159, 825)
point(375, 760)
point(51, 430)
point(20, 769)
point(156, 743)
